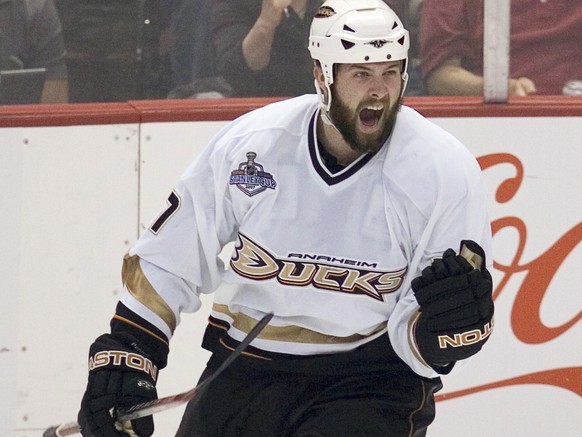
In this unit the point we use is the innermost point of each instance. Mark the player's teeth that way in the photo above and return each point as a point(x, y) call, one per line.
point(375, 107)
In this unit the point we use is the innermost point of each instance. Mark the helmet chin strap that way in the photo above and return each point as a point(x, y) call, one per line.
point(404, 83)
point(325, 104)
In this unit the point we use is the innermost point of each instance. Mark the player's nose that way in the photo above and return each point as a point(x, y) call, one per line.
point(378, 88)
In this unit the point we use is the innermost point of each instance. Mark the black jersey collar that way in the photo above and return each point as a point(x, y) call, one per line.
point(317, 160)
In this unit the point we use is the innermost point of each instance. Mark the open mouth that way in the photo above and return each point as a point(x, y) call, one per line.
point(370, 116)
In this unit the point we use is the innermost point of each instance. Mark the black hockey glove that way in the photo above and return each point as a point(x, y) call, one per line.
point(456, 307)
point(123, 369)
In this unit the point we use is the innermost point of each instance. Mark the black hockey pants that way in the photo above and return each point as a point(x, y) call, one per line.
point(312, 401)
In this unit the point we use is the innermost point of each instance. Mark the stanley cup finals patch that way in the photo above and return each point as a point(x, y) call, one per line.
point(250, 177)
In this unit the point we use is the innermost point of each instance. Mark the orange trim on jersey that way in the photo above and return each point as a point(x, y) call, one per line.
point(135, 325)
point(217, 325)
point(248, 354)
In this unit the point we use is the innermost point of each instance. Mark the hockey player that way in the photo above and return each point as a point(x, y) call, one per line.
point(349, 211)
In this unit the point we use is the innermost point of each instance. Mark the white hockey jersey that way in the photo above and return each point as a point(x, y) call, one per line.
point(332, 255)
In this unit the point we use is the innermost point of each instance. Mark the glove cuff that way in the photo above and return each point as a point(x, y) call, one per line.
point(140, 335)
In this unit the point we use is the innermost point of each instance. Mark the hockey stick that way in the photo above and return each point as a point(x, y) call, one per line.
point(157, 405)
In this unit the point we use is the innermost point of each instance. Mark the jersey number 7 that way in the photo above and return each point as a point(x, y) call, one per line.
point(173, 206)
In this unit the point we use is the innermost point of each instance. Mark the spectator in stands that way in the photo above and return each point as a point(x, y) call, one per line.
point(113, 49)
point(191, 54)
point(31, 37)
point(260, 45)
point(192, 60)
point(259, 42)
point(545, 48)
point(409, 12)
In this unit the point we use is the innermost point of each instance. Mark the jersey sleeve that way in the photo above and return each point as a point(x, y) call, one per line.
point(177, 258)
point(450, 205)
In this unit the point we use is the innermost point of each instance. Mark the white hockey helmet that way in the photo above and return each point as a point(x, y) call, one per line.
point(356, 32)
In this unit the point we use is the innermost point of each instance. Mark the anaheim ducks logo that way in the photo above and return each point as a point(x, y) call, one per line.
point(325, 12)
point(251, 178)
point(323, 272)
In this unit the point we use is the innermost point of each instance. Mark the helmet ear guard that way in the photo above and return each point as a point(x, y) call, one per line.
point(356, 32)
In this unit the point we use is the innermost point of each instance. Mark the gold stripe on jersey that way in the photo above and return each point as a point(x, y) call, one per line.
point(293, 333)
point(138, 285)
point(412, 337)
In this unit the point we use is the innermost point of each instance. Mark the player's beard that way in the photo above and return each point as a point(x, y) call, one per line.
point(346, 122)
